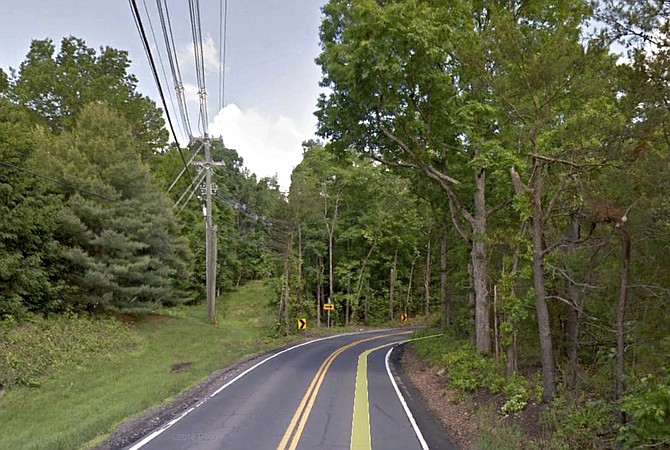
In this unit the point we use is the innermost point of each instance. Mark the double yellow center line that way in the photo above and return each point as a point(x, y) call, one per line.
point(297, 424)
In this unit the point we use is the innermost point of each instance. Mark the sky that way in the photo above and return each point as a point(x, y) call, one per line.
point(271, 83)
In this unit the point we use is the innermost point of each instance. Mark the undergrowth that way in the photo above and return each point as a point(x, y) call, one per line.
point(570, 421)
point(40, 347)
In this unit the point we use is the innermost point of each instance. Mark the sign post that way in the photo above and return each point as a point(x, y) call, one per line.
point(328, 307)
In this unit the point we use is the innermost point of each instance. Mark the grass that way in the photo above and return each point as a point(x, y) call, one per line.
point(78, 406)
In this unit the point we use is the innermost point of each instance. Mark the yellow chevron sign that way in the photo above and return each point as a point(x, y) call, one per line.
point(302, 324)
point(403, 317)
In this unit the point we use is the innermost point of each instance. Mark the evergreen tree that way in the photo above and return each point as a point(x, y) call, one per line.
point(122, 240)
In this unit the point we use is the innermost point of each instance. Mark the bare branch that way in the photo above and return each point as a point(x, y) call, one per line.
point(497, 208)
point(567, 277)
point(457, 224)
point(519, 187)
point(408, 150)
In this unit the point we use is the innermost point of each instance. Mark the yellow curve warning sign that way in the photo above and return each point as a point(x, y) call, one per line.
point(302, 324)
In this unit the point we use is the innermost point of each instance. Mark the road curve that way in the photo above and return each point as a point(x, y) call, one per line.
point(334, 393)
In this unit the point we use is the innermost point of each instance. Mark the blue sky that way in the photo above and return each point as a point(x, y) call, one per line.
point(271, 77)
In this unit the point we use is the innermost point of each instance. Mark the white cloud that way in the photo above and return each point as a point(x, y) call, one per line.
point(269, 145)
point(210, 55)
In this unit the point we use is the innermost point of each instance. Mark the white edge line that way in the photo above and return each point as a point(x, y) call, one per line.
point(424, 445)
point(156, 433)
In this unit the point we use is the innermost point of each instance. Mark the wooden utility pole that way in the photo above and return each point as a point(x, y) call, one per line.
point(210, 229)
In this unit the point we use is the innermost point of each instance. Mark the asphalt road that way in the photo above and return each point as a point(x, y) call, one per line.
point(335, 393)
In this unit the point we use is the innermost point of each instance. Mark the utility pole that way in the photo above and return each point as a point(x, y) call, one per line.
point(210, 228)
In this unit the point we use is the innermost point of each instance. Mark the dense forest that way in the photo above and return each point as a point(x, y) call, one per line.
point(498, 167)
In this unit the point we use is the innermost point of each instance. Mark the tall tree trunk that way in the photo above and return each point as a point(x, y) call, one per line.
point(480, 266)
point(359, 284)
point(471, 305)
point(621, 312)
point(298, 289)
point(347, 307)
point(392, 284)
point(409, 284)
point(286, 286)
point(573, 316)
point(512, 355)
point(544, 325)
point(426, 278)
point(444, 294)
point(319, 289)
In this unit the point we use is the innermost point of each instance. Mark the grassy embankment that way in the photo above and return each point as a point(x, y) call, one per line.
point(79, 400)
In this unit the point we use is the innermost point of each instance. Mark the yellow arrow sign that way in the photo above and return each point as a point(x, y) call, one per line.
point(403, 317)
point(328, 307)
point(302, 324)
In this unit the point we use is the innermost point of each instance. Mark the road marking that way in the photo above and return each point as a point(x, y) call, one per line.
point(417, 431)
point(159, 431)
point(360, 424)
point(297, 424)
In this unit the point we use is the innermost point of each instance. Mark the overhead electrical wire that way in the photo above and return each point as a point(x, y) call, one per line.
point(223, 32)
point(152, 64)
point(173, 61)
point(198, 53)
point(242, 208)
point(160, 60)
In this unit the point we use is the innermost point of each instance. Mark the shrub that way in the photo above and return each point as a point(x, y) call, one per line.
point(647, 408)
point(468, 370)
point(516, 395)
point(580, 422)
point(38, 347)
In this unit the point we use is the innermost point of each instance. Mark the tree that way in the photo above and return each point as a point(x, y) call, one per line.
point(56, 87)
point(400, 95)
point(121, 239)
point(30, 257)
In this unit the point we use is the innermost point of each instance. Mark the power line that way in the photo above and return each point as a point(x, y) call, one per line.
point(198, 53)
point(223, 33)
point(168, 36)
point(242, 208)
point(152, 64)
point(147, 49)
point(160, 59)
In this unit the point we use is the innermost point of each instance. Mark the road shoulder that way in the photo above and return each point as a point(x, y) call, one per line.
point(432, 404)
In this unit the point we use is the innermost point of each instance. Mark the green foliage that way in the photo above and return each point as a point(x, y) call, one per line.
point(516, 393)
point(647, 409)
point(124, 253)
point(39, 348)
point(29, 253)
point(57, 86)
point(580, 422)
point(468, 371)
